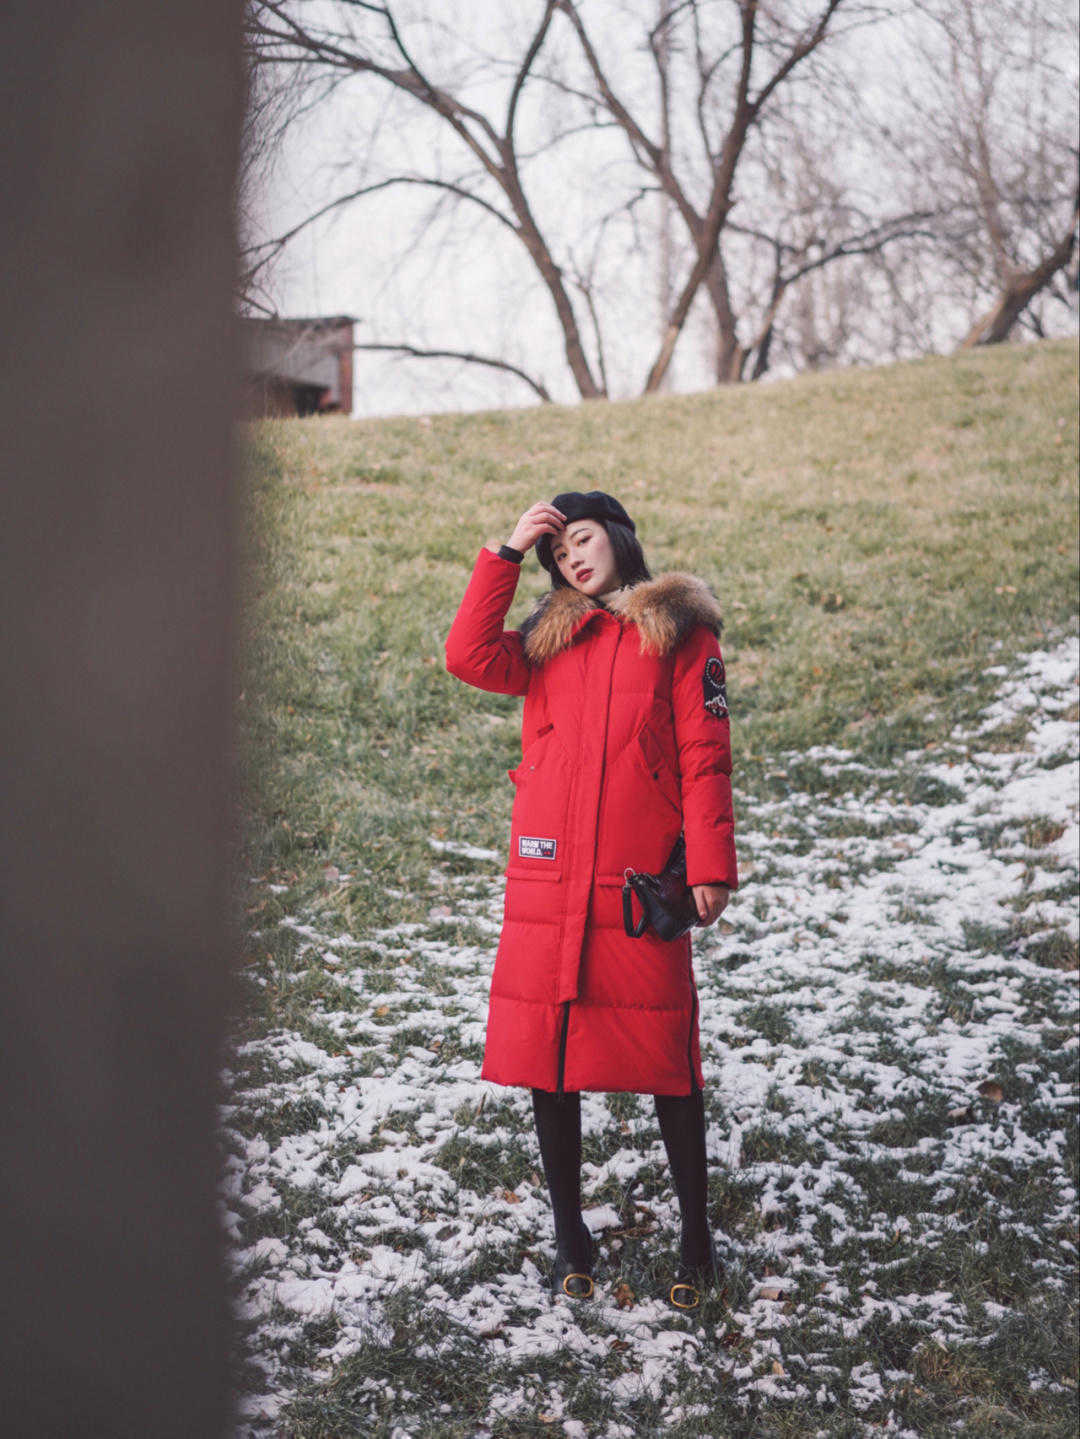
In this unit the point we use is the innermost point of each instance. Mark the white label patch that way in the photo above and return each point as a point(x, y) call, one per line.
point(531, 848)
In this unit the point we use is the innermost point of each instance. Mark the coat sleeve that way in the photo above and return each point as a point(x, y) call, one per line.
point(478, 649)
point(702, 734)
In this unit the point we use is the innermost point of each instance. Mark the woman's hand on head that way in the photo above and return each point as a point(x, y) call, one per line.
point(539, 519)
point(711, 901)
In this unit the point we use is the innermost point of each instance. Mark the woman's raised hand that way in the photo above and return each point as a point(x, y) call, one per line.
point(539, 519)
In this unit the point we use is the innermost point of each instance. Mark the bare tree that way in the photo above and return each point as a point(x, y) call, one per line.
point(722, 74)
point(801, 239)
point(994, 134)
point(372, 41)
point(661, 50)
point(719, 72)
point(275, 102)
point(724, 113)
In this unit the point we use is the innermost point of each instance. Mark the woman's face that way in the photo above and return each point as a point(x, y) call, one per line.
point(585, 558)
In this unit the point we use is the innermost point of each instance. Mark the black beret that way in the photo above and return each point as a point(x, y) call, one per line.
point(593, 505)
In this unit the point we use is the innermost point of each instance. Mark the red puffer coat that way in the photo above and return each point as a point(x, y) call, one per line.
point(625, 744)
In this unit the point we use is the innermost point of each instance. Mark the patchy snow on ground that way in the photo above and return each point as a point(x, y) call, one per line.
point(887, 1022)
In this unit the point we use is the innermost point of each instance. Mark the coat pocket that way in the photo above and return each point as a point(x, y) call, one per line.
point(533, 756)
point(518, 871)
point(658, 767)
point(539, 819)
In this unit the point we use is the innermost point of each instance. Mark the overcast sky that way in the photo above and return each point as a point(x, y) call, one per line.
point(468, 284)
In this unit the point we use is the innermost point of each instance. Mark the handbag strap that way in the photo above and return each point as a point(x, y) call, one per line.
point(634, 931)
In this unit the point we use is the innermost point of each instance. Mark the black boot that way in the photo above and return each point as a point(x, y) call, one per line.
point(692, 1281)
point(682, 1126)
point(572, 1274)
point(558, 1128)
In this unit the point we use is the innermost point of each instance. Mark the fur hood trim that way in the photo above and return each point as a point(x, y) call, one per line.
point(664, 609)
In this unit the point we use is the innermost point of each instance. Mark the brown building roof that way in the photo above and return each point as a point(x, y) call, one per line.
point(297, 366)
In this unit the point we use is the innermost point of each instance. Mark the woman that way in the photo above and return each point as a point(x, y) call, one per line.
point(625, 746)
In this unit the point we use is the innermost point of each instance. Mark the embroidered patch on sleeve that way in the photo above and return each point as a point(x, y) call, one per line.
point(529, 847)
point(713, 683)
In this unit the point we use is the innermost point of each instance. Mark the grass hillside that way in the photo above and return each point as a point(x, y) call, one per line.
point(887, 1009)
point(877, 539)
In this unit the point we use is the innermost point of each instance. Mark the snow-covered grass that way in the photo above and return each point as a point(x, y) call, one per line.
point(887, 1017)
point(888, 1026)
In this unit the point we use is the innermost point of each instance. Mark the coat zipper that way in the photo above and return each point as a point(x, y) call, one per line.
point(559, 1090)
point(562, 1047)
point(690, 1033)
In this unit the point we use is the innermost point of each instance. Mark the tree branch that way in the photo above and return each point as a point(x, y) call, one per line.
point(708, 234)
point(797, 55)
point(275, 246)
point(415, 352)
point(585, 288)
point(636, 134)
point(870, 242)
point(994, 327)
point(497, 155)
point(411, 80)
point(656, 159)
point(526, 66)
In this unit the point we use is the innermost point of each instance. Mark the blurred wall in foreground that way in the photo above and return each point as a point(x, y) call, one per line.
point(119, 124)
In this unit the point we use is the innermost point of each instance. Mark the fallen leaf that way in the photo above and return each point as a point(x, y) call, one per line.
point(511, 1197)
point(991, 1090)
point(770, 1293)
point(624, 1296)
point(778, 1368)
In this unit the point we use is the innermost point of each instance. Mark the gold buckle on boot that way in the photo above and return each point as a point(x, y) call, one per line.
point(586, 1293)
point(690, 1289)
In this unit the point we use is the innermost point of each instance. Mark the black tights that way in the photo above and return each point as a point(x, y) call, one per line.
point(682, 1128)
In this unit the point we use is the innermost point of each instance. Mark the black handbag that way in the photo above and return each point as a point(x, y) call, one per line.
point(666, 902)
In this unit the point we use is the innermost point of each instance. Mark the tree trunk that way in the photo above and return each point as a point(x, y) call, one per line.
point(730, 355)
point(1022, 287)
point(540, 252)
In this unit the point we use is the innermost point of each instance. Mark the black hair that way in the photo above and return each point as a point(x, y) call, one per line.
point(629, 556)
